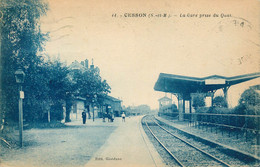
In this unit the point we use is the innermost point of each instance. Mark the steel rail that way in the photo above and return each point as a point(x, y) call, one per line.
point(208, 154)
point(169, 152)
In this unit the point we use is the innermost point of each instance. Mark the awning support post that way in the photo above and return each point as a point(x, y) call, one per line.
point(225, 91)
point(190, 101)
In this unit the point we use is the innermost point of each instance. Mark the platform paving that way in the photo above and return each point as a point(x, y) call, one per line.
point(70, 146)
point(128, 145)
point(92, 144)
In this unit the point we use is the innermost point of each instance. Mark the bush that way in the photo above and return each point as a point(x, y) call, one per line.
point(203, 110)
point(221, 110)
point(198, 101)
point(215, 110)
point(219, 101)
point(174, 108)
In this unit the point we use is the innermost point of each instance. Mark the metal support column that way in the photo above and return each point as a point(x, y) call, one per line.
point(183, 105)
point(225, 91)
point(212, 97)
point(183, 108)
point(190, 101)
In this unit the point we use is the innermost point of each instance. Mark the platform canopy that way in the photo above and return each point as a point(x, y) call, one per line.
point(185, 85)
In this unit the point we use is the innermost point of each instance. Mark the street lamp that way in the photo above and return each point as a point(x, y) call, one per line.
point(19, 77)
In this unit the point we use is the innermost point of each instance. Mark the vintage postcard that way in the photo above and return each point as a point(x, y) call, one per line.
point(129, 83)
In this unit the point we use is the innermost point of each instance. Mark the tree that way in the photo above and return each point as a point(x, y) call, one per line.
point(48, 84)
point(249, 103)
point(23, 42)
point(59, 85)
point(87, 84)
point(249, 97)
point(198, 100)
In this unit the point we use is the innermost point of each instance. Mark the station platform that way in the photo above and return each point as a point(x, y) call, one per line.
point(222, 139)
point(128, 145)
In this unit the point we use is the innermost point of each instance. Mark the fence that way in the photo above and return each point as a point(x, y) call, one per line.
point(250, 124)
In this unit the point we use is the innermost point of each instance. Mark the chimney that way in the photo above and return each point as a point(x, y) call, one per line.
point(92, 65)
point(86, 63)
point(82, 63)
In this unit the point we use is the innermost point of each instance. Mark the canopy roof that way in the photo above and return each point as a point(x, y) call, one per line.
point(186, 85)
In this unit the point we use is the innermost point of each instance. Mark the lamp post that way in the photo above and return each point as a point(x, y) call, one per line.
point(19, 77)
point(93, 109)
point(93, 102)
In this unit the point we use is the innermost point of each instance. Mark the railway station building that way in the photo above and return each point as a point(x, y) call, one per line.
point(165, 104)
point(185, 87)
point(110, 104)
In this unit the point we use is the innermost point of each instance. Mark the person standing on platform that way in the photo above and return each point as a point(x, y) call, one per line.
point(123, 117)
point(84, 117)
point(104, 116)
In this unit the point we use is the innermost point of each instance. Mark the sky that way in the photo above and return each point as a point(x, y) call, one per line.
point(131, 52)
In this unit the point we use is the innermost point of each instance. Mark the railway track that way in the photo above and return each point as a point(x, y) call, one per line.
point(182, 151)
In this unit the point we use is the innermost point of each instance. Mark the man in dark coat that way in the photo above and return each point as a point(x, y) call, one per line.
point(84, 117)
